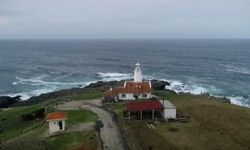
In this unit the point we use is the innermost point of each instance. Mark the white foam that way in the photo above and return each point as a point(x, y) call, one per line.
point(195, 89)
point(114, 76)
point(179, 86)
point(239, 100)
point(24, 96)
point(27, 95)
point(175, 85)
point(44, 86)
point(38, 82)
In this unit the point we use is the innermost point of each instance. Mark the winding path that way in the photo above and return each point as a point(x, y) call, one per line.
point(110, 134)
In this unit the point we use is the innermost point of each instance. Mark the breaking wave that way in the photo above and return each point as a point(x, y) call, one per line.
point(27, 95)
point(110, 76)
point(42, 86)
point(195, 89)
point(39, 81)
point(240, 101)
point(179, 86)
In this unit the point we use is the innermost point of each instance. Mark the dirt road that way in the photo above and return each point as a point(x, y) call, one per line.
point(110, 134)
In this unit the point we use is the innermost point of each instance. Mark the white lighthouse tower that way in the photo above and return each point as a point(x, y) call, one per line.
point(138, 73)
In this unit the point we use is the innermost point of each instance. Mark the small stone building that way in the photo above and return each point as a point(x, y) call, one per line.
point(56, 121)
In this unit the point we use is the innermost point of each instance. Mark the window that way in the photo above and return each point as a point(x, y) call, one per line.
point(144, 95)
point(123, 95)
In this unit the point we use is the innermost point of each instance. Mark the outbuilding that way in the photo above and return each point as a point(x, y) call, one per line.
point(56, 121)
point(142, 107)
point(163, 107)
point(169, 111)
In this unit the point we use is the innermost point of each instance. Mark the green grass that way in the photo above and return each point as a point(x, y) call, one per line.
point(214, 124)
point(80, 116)
point(70, 141)
point(74, 141)
point(12, 124)
point(88, 95)
point(36, 139)
point(117, 108)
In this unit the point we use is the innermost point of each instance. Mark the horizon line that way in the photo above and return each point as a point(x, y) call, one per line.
point(125, 39)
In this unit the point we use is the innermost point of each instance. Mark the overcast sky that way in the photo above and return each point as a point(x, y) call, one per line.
point(124, 19)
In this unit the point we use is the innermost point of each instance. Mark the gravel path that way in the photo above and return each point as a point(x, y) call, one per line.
point(110, 134)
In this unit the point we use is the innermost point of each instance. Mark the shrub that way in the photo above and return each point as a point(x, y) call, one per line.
point(27, 117)
point(39, 113)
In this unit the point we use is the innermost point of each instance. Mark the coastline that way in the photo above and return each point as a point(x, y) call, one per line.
point(100, 87)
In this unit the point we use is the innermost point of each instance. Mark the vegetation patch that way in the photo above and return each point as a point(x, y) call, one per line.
point(37, 114)
point(12, 125)
point(80, 116)
point(88, 95)
point(74, 141)
point(214, 124)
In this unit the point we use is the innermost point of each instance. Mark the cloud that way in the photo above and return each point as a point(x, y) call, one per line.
point(4, 22)
point(124, 18)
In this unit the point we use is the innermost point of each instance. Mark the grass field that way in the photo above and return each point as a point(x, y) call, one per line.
point(214, 124)
point(36, 139)
point(80, 116)
point(74, 141)
point(88, 95)
point(11, 123)
point(71, 141)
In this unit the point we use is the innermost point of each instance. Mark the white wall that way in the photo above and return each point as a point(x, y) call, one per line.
point(130, 96)
point(169, 113)
point(54, 126)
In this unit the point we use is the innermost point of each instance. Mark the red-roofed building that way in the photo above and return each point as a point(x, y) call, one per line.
point(163, 108)
point(132, 90)
point(144, 106)
point(56, 121)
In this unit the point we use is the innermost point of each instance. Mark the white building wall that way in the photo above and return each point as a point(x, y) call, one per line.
point(149, 95)
point(169, 113)
point(54, 126)
point(169, 109)
point(130, 96)
point(127, 97)
point(138, 73)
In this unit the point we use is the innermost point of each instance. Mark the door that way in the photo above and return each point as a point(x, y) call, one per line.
point(60, 125)
point(136, 97)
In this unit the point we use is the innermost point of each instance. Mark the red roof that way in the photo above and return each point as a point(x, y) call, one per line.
point(137, 87)
point(130, 87)
point(144, 105)
point(56, 116)
point(114, 92)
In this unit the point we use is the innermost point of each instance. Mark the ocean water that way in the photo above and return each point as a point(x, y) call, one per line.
point(220, 67)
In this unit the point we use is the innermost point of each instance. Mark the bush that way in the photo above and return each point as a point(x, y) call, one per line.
point(27, 117)
point(39, 113)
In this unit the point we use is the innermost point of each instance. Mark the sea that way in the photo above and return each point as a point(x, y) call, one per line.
point(217, 66)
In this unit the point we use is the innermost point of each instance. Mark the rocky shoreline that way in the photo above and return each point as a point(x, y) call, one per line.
point(100, 86)
point(7, 101)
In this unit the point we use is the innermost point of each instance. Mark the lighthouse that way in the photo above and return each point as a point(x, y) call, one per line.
point(136, 89)
point(138, 73)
